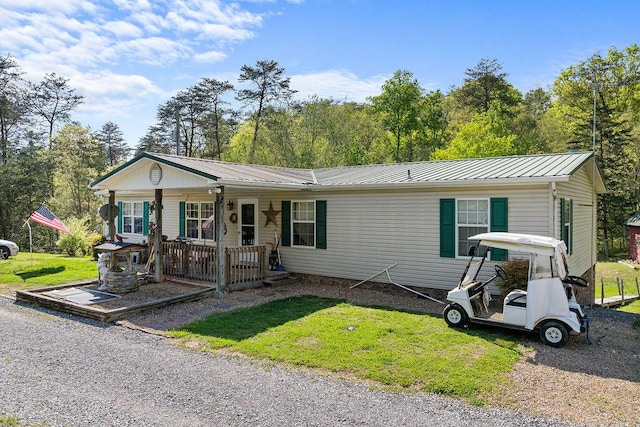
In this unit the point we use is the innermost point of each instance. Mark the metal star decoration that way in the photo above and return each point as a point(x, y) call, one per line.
point(271, 215)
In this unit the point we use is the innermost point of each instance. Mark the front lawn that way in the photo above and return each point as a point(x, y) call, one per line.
point(399, 350)
point(20, 273)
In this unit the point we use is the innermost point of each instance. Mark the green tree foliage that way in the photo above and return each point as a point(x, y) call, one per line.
point(399, 107)
point(53, 100)
point(12, 106)
point(486, 135)
point(485, 87)
point(79, 160)
point(156, 140)
point(269, 92)
point(609, 85)
point(111, 140)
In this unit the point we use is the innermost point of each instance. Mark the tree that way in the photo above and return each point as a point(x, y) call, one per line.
point(611, 83)
point(528, 122)
point(399, 108)
point(13, 106)
point(219, 121)
point(112, 142)
point(156, 140)
point(486, 135)
point(53, 100)
point(484, 86)
point(270, 88)
point(79, 160)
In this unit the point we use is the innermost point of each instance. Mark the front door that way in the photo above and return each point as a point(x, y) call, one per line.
point(248, 222)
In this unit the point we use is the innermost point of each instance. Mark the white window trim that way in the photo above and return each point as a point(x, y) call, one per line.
point(187, 218)
point(133, 217)
point(314, 222)
point(567, 224)
point(457, 242)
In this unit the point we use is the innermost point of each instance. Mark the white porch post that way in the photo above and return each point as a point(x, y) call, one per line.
point(221, 256)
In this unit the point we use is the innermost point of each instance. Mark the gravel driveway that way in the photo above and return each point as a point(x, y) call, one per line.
point(67, 371)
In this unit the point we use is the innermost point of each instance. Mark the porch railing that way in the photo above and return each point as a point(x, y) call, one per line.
point(189, 261)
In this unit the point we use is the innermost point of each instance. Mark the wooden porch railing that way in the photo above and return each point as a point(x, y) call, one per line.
point(189, 261)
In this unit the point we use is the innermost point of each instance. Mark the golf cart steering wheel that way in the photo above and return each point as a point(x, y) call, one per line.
point(501, 273)
point(577, 281)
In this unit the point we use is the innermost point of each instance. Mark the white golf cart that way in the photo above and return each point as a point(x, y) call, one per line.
point(548, 305)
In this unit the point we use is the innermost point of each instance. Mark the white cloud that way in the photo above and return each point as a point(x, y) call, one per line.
point(209, 57)
point(341, 85)
point(122, 29)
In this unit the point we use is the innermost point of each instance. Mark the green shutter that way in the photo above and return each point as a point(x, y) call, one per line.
point(321, 224)
point(499, 222)
point(182, 227)
point(119, 219)
point(448, 228)
point(145, 218)
point(286, 223)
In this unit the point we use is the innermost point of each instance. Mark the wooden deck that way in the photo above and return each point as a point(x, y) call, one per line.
point(194, 291)
point(615, 301)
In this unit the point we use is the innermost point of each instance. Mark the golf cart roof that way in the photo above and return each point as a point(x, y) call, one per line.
point(528, 243)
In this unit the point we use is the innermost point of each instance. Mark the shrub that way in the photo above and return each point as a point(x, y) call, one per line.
point(76, 242)
point(518, 272)
point(95, 240)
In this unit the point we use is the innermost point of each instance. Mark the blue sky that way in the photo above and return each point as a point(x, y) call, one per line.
point(128, 57)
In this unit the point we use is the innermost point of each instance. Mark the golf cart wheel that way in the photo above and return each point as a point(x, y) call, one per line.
point(455, 316)
point(554, 333)
point(4, 252)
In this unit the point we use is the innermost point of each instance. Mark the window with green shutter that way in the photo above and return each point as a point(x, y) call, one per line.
point(133, 218)
point(304, 223)
point(464, 217)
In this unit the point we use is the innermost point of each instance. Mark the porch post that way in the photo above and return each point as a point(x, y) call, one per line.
point(111, 223)
point(157, 241)
point(221, 255)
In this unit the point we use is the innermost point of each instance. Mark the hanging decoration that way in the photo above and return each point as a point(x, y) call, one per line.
point(271, 215)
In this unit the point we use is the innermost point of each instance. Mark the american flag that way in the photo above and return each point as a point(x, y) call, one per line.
point(44, 216)
point(209, 222)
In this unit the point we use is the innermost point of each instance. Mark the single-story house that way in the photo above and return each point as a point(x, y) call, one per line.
point(352, 222)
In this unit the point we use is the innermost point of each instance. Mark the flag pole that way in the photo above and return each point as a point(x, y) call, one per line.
point(30, 240)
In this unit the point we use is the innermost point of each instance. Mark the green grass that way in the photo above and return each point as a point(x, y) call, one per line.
point(399, 350)
point(610, 272)
point(20, 273)
point(11, 421)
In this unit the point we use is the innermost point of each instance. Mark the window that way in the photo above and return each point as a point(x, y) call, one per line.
point(199, 220)
point(566, 223)
point(472, 218)
point(462, 218)
point(132, 217)
point(303, 221)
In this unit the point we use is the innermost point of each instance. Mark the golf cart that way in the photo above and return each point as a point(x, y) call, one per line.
point(548, 305)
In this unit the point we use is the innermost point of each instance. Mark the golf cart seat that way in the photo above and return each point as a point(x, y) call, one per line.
point(516, 294)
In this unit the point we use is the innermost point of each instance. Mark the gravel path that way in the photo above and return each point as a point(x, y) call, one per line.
point(68, 371)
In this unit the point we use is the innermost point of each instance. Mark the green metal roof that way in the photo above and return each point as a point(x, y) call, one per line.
point(511, 169)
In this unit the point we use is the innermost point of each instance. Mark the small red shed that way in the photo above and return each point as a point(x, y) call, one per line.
point(633, 233)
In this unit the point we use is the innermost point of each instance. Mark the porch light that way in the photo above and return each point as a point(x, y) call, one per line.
point(230, 205)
